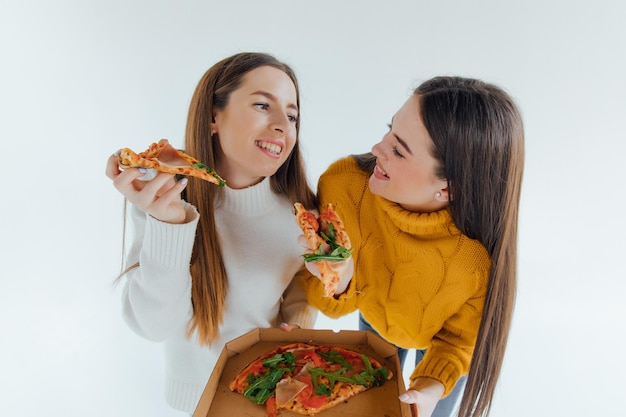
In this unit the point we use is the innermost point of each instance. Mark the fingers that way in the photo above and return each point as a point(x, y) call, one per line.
point(345, 270)
point(156, 193)
point(417, 409)
point(112, 169)
point(158, 201)
point(425, 394)
point(289, 327)
point(159, 196)
point(164, 203)
point(409, 397)
point(156, 187)
point(126, 182)
point(342, 267)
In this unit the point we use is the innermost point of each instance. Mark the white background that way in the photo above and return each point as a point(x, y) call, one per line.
point(81, 79)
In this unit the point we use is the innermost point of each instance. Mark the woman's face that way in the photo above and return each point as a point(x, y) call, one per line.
point(257, 129)
point(405, 168)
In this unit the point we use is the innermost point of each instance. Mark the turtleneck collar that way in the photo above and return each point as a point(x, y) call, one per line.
point(256, 199)
point(423, 224)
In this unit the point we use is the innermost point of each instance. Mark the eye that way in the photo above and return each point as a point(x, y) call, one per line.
point(389, 126)
point(396, 152)
point(292, 118)
point(261, 106)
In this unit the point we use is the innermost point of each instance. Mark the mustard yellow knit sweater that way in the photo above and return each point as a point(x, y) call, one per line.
point(418, 281)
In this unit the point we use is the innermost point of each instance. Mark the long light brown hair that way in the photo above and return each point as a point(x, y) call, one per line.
point(209, 280)
point(478, 140)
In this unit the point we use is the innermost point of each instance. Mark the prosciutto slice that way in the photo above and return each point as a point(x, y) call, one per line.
point(287, 390)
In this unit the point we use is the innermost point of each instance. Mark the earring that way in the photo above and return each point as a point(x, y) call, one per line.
point(438, 194)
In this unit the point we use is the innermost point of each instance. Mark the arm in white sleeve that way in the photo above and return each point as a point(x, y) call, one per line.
point(295, 309)
point(157, 295)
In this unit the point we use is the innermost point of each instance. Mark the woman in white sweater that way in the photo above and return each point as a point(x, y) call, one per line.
point(208, 263)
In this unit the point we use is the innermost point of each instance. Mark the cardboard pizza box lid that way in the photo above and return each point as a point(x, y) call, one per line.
point(218, 401)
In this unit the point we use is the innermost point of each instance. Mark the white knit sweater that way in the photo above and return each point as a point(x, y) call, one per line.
point(258, 235)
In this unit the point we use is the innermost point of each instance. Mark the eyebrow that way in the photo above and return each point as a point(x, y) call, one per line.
point(273, 98)
point(404, 144)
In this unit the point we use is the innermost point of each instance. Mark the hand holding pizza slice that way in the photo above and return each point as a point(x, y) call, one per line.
point(327, 237)
point(163, 157)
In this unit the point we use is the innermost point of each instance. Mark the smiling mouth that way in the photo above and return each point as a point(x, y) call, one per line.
point(270, 147)
point(380, 171)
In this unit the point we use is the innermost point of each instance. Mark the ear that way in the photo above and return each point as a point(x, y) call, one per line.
point(443, 195)
point(213, 128)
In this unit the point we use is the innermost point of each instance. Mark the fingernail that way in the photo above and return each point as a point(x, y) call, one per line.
point(283, 324)
point(117, 153)
point(183, 181)
point(143, 170)
point(403, 397)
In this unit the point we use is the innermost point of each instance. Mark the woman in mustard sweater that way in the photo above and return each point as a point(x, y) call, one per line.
point(432, 214)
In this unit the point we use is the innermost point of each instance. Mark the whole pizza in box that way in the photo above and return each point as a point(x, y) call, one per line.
point(307, 379)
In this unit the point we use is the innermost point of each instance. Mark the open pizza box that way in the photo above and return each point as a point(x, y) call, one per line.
point(218, 401)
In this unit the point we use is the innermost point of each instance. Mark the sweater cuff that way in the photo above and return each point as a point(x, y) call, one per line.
point(171, 244)
point(331, 306)
point(439, 369)
point(304, 317)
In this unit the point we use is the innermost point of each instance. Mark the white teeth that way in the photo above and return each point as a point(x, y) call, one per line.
point(381, 171)
point(272, 147)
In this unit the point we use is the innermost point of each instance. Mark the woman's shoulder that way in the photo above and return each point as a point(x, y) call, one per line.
point(346, 166)
point(473, 257)
point(344, 182)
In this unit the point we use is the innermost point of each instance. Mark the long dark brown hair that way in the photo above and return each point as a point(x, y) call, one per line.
point(209, 280)
point(478, 140)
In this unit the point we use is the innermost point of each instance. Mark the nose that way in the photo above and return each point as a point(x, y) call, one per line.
point(378, 150)
point(280, 122)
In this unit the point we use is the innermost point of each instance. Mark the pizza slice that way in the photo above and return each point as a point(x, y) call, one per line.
point(163, 157)
point(307, 379)
point(329, 240)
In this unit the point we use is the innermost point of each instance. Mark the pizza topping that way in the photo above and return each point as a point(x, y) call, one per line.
point(270, 407)
point(335, 253)
point(307, 379)
point(288, 389)
point(309, 355)
point(336, 357)
point(324, 380)
point(211, 172)
point(323, 234)
point(261, 387)
point(315, 401)
point(329, 219)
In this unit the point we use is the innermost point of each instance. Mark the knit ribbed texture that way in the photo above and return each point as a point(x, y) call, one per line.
point(444, 368)
point(258, 236)
point(181, 395)
point(251, 201)
point(169, 244)
point(418, 281)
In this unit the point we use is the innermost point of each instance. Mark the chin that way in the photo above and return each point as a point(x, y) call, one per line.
point(375, 186)
point(268, 172)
